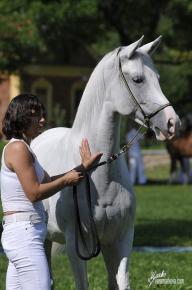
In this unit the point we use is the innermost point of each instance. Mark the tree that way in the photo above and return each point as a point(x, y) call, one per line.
point(18, 34)
point(45, 31)
point(132, 19)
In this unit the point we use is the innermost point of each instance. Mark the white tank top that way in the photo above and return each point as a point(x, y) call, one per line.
point(13, 196)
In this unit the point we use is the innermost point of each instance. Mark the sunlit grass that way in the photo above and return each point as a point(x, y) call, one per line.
point(176, 266)
point(164, 215)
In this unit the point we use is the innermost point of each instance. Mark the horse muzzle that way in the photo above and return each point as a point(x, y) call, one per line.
point(168, 132)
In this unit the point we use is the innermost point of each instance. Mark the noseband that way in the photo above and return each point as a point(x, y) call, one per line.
point(147, 117)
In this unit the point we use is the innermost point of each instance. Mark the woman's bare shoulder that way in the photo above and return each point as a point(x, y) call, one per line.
point(16, 148)
point(15, 152)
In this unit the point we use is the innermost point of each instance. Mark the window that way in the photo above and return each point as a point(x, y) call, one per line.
point(76, 95)
point(43, 89)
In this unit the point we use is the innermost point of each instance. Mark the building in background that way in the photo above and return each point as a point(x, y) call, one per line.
point(60, 88)
point(9, 87)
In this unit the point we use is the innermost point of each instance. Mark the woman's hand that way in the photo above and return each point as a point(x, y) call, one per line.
point(73, 177)
point(87, 158)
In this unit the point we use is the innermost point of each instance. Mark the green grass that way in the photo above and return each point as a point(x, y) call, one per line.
point(159, 173)
point(175, 266)
point(164, 215)
point(141, 267)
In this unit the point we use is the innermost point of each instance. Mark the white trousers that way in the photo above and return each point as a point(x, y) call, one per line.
point(136, 169)
point(23, 243)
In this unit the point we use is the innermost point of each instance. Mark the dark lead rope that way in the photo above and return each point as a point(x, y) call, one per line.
point(93, 231)
point(79, 229)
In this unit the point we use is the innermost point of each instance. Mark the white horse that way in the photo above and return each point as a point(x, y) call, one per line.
point(105, 98)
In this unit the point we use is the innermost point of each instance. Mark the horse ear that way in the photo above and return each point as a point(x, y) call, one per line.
point(128, 51)
point(152, 46)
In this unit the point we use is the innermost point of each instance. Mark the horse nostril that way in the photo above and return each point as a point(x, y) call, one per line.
point(171, 122)
point(171, 126)
point(171, 130)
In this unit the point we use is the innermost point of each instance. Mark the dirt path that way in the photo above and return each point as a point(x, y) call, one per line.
point(153, 158)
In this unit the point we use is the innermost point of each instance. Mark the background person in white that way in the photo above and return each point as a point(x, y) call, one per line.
point(135, 159)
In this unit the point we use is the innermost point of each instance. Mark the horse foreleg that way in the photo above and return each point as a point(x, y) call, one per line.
point(48, 247)
point(117, 257)
point(78, 266)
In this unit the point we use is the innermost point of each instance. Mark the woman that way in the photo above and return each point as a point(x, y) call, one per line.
point(24, 184)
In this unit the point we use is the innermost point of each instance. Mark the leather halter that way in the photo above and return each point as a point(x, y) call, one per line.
point(147, 117)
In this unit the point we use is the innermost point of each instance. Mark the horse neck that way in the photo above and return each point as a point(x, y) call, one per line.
point(95, 118)
point(89, 108)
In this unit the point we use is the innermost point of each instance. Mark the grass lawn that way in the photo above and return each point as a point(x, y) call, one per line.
point(164, 215)
point(176, 266)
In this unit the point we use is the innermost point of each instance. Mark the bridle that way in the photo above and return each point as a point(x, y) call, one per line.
point(147, 117)
point(93, 231)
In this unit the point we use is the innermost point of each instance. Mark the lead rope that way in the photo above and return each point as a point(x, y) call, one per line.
point(78, 224)
point(79, 228)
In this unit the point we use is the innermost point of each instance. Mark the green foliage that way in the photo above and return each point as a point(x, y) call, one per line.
point(64, 26)
point(39, 31)
point(176, 83)
point(2, 144)
point(178, 14)
point(131, 19)
point(18, 33)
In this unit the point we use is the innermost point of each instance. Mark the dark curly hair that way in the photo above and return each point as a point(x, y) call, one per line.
point(18, 115)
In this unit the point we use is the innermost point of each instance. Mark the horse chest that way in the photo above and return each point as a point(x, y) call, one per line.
point(112, 218)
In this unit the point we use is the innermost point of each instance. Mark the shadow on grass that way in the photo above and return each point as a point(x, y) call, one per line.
point(159, 182)
point(167, 232)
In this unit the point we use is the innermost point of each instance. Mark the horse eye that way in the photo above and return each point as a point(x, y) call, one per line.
point(138, 80)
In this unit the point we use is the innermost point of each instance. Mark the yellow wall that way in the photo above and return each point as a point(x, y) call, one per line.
point(59, 71)
point(15, 85)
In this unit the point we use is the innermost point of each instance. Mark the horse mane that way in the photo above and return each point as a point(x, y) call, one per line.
point(93, 96)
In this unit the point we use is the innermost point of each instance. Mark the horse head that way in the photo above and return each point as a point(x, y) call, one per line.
point(135, 89)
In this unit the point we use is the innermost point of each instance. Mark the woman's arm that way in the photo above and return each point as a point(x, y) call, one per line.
point(19, 159)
